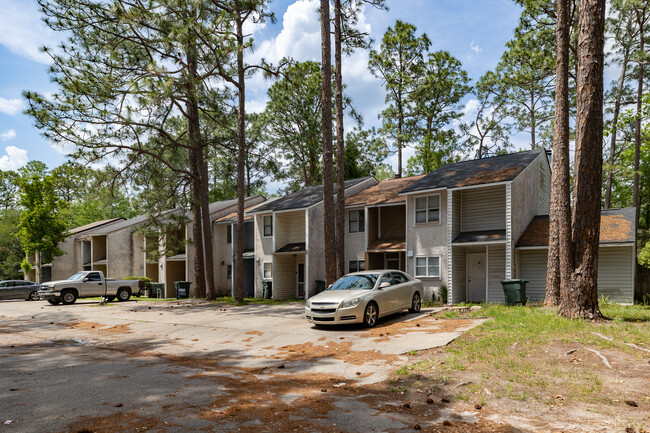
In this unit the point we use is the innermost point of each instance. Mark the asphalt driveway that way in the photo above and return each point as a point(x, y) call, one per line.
point(188, 365)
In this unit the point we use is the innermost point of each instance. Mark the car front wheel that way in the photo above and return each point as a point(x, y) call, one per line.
point(370, 315)
point(68, 297)
point(34, 296)
point(416, 303)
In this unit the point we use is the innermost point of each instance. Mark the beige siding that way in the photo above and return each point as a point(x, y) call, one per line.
point(496, 272)
point(615, 273)
point(284, 277)
point(70, 262)
point(483, 208)
point(544, 201)
point(525, 194)
point(459, 291)
point(532, 267)
point(456, 212)
point(289, 228)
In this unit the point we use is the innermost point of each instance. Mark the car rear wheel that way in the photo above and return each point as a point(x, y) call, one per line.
point(370, 315)
point(54, 301)
point(68, 297)
point(33, 296)
point(416, 303)
point(123, 295)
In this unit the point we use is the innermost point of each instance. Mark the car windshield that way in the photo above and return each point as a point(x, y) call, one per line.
point(78, 276)
point(356, 282)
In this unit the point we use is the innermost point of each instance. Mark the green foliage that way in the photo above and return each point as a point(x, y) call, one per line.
point(41, 226)
point(364, 151)
point(444, 293)
point(644, 255)
point(145, 283)
point(26, 266)
point(11, 252)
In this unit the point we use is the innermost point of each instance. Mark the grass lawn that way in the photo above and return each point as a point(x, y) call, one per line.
point(531, 356)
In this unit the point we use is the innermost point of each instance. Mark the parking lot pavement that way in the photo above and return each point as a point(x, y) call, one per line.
point(67, 364)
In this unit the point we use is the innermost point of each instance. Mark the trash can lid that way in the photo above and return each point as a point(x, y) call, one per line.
point(514, 280)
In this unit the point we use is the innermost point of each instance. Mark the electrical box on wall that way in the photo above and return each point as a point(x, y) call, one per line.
point(409, 254)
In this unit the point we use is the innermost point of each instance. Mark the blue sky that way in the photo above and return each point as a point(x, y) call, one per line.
point(473, 31)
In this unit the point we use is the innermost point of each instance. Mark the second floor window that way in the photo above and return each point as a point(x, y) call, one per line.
point(427, 209)
point(357, 265)
point(356, 221)
point(268, 225)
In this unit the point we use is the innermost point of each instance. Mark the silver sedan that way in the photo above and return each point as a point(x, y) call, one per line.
point(364, 297)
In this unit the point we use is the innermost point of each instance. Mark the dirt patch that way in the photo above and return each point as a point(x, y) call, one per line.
point(258, 333)
point(335, 350)
point(429, 325)
point(98, 327)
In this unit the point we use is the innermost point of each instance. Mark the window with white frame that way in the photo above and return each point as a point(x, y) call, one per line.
point(427, 209)
point(356, 223)
point(268, 225)
point(268, 270)
point(427, 266)
point(356, 265)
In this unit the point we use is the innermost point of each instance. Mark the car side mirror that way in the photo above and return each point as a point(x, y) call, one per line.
point(384, 285)
point(84, 280)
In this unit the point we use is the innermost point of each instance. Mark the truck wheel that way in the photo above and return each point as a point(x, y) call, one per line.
point(123, 294)
point(109, 298)
point(68, 297)
point(54, 301)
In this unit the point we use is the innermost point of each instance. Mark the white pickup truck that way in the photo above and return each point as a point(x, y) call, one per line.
point(87, 284)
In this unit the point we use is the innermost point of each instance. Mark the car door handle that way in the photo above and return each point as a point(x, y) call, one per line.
point(99, 284)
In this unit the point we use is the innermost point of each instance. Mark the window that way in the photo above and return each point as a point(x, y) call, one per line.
point(398, 277)
point(356, 222)
point(229, 272)
point(427, 209)
point(357, 265)
point(268, 225)
point(229, 234)
point(427, 266)
point(93, 276)
point(268, 270)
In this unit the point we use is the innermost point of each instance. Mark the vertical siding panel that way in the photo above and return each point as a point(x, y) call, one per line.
point(533, 268)
point(451, 217)
point(460, 264)
point(483, 209)
point(509, 249)
point(544, 203)
point(496, 273)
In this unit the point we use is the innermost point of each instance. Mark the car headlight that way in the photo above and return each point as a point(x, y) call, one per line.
point(308, 303)
point(353, 302)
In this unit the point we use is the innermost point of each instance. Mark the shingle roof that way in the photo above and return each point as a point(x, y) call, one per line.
point(385, 192)
point(475, 172)
point(616, 226)
point(303, 198)
point(91, 226)
point(293, 248)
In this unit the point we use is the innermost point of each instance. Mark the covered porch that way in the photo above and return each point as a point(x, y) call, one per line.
point(387, 254)
point(290, 271)
point(477, 270)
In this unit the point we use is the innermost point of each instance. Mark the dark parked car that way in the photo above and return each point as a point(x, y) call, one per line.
point(19, 289)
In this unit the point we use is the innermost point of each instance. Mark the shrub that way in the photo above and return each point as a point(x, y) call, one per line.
point(443, 294)
point(146, 284)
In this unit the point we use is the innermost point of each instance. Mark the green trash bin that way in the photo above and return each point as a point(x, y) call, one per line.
point(156, 290)
point(182, 289)
point(320, 286)
point(514, 291)
point(267, 287)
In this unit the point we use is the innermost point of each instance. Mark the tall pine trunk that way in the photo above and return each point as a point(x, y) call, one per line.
point(560, 210)
point(197, 230)
point(612, 145)
point(328, 188)
point(637, 131)
point(580, 296)
point(241, 157)
point(208, 253)
point(340, 143)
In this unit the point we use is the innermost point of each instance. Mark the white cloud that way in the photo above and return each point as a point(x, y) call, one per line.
point(13, 159)
point(300, 35)
point(7, 135)
point(256, 105)
point(11, 106)
point(23, 32)
point(475, 47)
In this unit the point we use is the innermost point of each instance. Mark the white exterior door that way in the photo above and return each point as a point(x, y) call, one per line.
point(476, 277)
